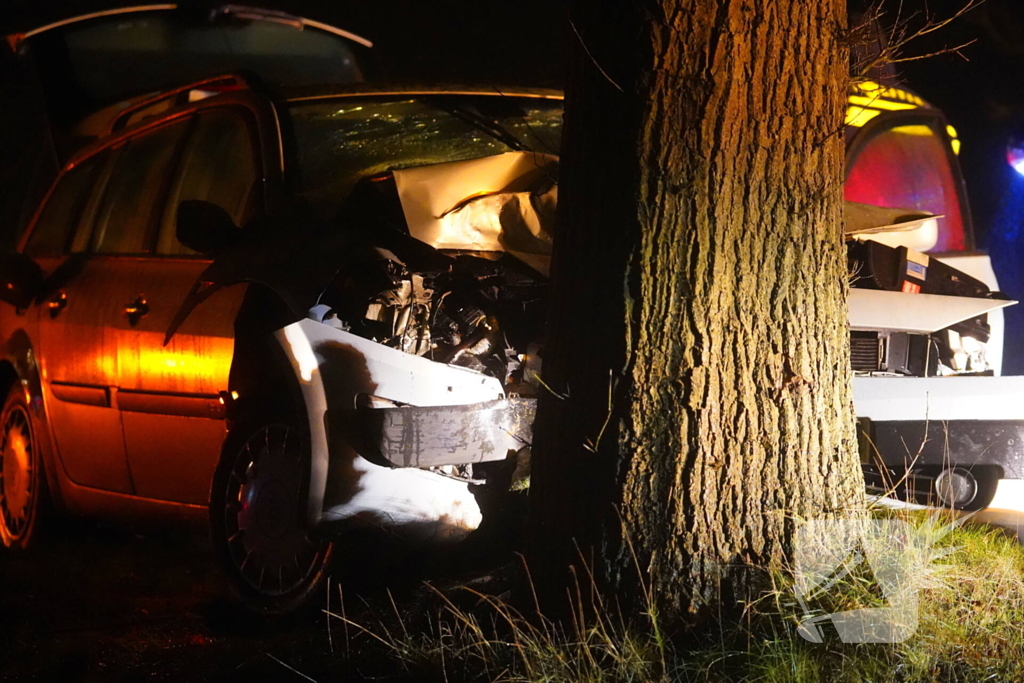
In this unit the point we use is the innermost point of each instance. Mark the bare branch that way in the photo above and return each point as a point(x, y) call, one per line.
point(897, 41)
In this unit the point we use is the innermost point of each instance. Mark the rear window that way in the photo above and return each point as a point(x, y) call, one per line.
point(89, 64)
point(907, 167)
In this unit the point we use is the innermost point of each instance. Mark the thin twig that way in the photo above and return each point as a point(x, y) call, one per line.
point(291, 668)
point(587, 50)
point(344, 619)
point(899, 36)
point(330, 640)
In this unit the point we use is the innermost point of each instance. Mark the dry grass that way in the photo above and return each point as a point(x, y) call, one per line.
point(971, 628)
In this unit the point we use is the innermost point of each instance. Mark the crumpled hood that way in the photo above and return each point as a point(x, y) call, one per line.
point(505, 202)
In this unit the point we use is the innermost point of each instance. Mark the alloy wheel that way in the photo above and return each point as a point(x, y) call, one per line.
point(271, 550)
point(18, 485)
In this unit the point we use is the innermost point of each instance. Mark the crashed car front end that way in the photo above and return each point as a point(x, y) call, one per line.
point(417, 306)
point(415, 369)
point(384, 424)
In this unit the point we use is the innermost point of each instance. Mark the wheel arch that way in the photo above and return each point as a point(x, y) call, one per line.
point(260, 380)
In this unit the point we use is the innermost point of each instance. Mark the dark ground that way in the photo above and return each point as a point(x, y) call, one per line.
point(97, 602)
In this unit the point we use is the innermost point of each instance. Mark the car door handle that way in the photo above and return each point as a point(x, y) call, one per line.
point(136, 310)
point(57, 304)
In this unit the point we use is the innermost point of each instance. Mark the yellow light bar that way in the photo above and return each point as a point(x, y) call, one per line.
point(858, 116)
point(956, 147)
point(879, 103)
point(875, 90)
point(918, 131)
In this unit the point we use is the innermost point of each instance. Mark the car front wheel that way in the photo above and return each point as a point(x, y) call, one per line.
point(21, 474)
point(275, 565)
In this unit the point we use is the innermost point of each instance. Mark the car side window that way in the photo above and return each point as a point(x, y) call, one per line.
point(64, 209)
point(135, 192)
point(218, 165)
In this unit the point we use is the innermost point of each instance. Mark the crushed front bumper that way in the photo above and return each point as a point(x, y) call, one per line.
point(449, 435)
point(377, 415)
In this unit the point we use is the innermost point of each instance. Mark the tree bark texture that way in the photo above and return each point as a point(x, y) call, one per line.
point(698, 333)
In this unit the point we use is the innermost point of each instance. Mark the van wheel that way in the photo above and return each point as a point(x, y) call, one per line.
point(275, 565)
point(22, 486)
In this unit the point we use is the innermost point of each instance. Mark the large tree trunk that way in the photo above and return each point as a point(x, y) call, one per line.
point(698, 323)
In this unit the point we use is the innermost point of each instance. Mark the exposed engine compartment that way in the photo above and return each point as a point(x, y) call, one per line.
point(482, 306)
point(484, 312)
point(481, 309)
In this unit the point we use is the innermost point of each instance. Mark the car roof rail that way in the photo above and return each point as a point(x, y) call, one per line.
point(165, 100)
point(244, 12)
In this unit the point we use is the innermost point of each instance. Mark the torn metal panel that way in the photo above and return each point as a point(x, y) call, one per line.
point(504, 202)
point(452, 435)
point(334, 369)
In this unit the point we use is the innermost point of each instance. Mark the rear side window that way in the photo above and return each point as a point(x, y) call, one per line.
point(218, 165)
point(907, 167)
point(135, 192)
point(64, 209)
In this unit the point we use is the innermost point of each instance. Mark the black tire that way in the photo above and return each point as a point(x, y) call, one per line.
point(274, 564)
point(22, 484)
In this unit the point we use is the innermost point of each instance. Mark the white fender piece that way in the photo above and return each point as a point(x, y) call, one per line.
point(335, 369)
point(875, 309)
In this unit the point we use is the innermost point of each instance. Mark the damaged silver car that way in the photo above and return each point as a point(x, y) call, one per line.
point(283, 316)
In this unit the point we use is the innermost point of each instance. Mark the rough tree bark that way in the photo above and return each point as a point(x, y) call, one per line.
point(698, 325)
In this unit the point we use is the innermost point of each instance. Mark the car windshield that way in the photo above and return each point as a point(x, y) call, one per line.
point(339, 141)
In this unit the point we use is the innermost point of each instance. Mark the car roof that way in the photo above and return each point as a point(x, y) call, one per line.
point(125, 114)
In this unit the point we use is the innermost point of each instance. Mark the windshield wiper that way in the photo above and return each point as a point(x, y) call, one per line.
point(478, 121)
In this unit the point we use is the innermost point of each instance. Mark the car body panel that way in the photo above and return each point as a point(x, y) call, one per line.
point(103, 368)
point(171, 410)
point(78, 355)
point(334, 368)
point(879, 309)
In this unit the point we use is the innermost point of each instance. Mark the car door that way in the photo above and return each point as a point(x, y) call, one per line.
point(92, 302)
point(71, 342)
point(169, 395)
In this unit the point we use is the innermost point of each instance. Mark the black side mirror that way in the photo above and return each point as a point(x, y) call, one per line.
point(21, 279)
point(204, 227)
